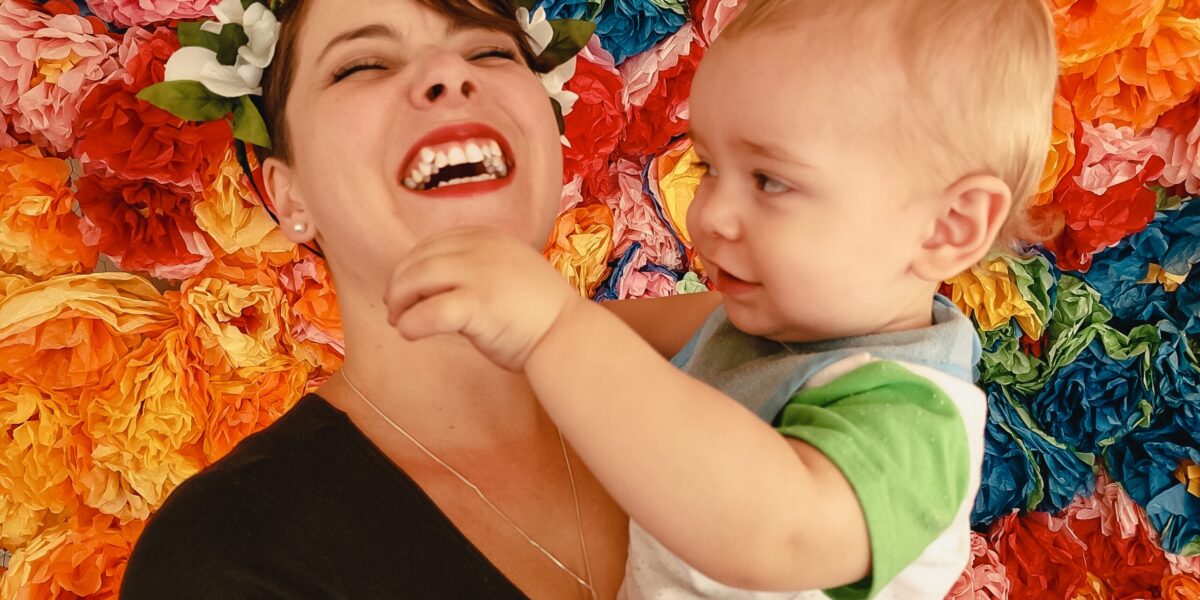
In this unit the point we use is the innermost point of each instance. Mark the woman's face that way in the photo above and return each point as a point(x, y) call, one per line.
point(404, 124)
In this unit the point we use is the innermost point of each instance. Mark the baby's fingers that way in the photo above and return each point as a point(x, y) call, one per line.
point(447, 312)
point(428, 277)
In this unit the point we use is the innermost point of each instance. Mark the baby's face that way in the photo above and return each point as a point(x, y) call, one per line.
point(810, 214)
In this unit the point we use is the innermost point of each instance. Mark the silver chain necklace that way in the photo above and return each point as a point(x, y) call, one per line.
point(585, 583)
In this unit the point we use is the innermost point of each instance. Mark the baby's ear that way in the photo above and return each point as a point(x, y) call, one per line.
point(290, 208)
point(974, 210)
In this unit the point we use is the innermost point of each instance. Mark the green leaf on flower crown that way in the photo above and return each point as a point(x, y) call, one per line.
point(594, 8)
point(570, 36)
point(558, 116)
point(188, 100)
point(527, 5)
point(248, 124)
point(225, 44)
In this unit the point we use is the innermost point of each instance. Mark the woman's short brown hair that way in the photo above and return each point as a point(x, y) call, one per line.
point(498, 15)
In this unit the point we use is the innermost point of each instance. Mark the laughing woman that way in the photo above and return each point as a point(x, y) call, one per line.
point(420, 470)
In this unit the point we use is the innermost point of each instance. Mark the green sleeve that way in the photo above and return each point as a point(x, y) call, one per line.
point(900, 442)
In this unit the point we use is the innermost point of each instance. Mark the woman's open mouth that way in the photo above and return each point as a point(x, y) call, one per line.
point(459, 159)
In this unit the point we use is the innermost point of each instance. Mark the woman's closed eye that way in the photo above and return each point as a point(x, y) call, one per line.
point(494, 53)
point(357, 66)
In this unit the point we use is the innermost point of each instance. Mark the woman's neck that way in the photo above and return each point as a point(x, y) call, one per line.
point(441, 390)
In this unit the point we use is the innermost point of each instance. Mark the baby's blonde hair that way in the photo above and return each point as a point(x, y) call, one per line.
point(981, 78)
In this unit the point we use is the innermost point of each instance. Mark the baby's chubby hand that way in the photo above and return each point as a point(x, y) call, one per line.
point(482, 284)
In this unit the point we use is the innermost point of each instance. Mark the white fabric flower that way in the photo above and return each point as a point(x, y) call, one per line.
point(193, 63)
point(537, 28)
point(262, 28)
point(556, 80)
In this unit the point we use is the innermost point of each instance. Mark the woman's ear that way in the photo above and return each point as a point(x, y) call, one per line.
point(974, 210)
point(290, 207)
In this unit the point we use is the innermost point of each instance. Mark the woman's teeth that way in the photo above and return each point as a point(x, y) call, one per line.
point(455, 163)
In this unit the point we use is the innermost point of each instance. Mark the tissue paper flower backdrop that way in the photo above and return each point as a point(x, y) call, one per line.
point(152, 315)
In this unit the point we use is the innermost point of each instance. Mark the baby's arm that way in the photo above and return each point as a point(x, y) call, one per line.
point(701, 473)
point(665, 323)
point(706, 477)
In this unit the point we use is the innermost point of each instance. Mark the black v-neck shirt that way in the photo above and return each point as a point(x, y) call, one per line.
point(307, 508)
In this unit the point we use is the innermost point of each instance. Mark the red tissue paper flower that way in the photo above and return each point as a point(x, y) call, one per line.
point(596, 120)
point(132, 139)
point(144, 227)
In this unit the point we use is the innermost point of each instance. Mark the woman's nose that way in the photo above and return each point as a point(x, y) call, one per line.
point(446, 81)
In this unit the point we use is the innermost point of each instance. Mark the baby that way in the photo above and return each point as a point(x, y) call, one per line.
point(821, 434)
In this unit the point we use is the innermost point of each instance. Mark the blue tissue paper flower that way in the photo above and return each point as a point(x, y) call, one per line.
point(1009, 478)
point(1094, 400)
point(568, 9)
point(629, 27)
point(1171, 241)
point(1176, 376)
point(1064, 473)
point(1145, 463)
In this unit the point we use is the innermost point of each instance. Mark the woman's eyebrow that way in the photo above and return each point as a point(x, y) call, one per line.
point(374, 30)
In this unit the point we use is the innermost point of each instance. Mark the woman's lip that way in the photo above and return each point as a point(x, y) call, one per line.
point(457, 132)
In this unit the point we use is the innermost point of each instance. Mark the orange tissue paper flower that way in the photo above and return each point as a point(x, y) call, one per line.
point(39, 232)
point(1181, 587)
point(83, 558)
point(65, 332)
point(580, 246)
point(314, 319)
point(247, 400)
point(1087, 29)
point(1135, 85)
point(1061, 157)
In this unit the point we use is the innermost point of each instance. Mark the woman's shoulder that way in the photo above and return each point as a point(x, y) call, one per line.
point(228, 522)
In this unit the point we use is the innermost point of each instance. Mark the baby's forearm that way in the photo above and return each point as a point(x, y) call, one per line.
point(705, 476)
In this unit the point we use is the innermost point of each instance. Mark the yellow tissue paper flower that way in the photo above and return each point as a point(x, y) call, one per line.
point(143, 424)
point(580, 245)
point(677, 175)
point(228, 213)
point(34, 484)
point(1169, 281)
point(988, 292)
point(235, 321)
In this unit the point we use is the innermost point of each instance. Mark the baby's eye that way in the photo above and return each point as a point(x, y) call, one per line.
point(769, 185)
point(350, 69)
